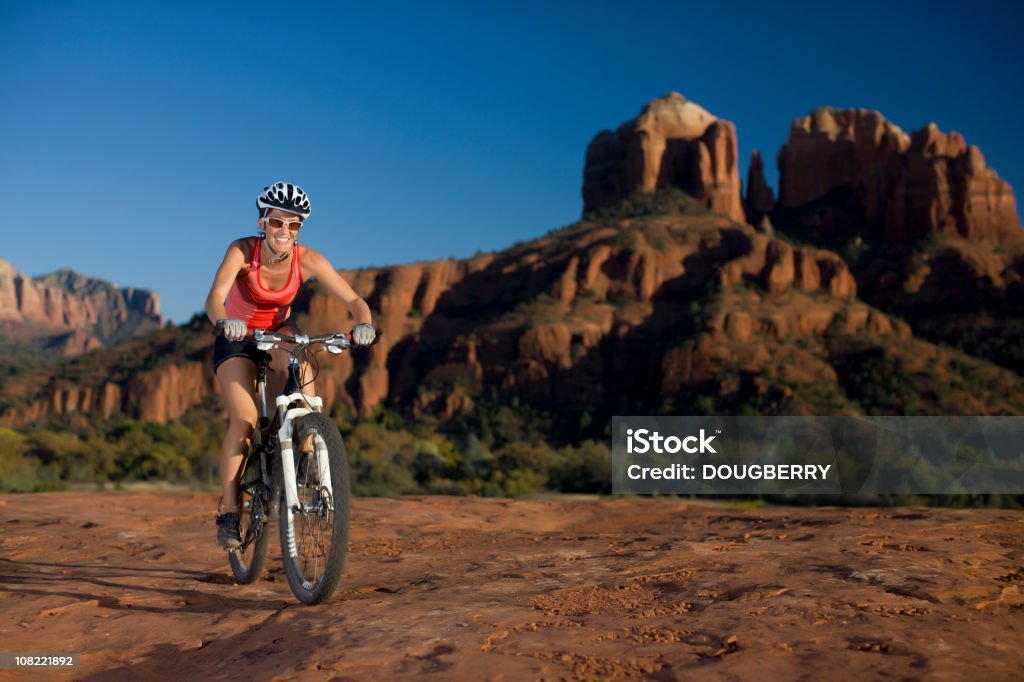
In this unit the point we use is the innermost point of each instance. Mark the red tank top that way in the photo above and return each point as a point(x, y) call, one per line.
point(263, 308)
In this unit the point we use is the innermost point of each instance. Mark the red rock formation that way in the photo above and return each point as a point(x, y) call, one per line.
point(550, 351)
point(73, 343)
point(947, 188)
point(839, 148)
point(902, 187)
point(759, 200)
point(161, 395)
point(672, 143)
point(72, 313)
point(165, 394)
point(609, 317)
point(538, 319)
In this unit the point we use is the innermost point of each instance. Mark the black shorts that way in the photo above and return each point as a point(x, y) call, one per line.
point(225, 350)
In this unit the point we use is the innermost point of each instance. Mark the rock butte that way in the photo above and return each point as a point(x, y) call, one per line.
point(903, 187)
point(672, 143)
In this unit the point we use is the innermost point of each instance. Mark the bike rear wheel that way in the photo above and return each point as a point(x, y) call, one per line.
point(314, 534)
point(253, 505)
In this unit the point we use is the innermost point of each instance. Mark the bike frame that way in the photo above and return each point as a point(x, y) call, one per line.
point(291, 404)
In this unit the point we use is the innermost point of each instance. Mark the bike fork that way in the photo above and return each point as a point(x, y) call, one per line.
point(291, 495)
point(285, 443)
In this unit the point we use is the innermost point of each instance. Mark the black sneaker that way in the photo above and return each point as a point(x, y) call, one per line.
point(228, 534)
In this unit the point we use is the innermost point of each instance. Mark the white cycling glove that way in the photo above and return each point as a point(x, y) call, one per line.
point(234, 330)
point(364, 334)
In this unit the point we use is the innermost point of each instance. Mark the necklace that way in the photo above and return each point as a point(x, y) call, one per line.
point(275, 258)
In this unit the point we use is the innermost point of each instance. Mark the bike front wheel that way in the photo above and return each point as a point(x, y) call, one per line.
point(314, 533)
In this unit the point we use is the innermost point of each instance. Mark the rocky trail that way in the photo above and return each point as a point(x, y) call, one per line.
point(465, 588)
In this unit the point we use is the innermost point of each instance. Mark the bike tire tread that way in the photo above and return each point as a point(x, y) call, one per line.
point(341, 485)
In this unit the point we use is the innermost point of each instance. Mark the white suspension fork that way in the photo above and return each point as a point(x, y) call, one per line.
point(285, 434)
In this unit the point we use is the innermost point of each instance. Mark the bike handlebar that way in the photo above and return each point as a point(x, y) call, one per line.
point(267, 339)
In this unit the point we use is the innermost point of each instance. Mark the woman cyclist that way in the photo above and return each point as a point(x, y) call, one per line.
point(253, 289)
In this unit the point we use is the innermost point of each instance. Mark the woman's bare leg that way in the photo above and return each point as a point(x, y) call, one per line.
point(236, 378)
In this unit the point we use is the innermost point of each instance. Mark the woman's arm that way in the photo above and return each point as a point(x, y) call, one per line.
point(234, 261)
point(316, 265)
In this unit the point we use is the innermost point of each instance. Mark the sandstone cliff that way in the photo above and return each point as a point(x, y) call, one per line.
point(643, 314)
point(672, 143)
point(845, 169)
point(947, 188)
point(71, 313)
point(932, 233)
point(546, 320)
point(156, 376)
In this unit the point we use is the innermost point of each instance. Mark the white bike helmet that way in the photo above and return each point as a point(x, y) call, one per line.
point(284, 196)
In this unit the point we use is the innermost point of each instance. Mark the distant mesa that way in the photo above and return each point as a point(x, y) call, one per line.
point(70, 313)
point(672, 143)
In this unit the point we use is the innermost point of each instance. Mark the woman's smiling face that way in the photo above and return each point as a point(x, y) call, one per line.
point(281, 229)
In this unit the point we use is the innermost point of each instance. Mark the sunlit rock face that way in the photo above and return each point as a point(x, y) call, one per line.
point(864, 172)
point(69, 313)
point(672, 143)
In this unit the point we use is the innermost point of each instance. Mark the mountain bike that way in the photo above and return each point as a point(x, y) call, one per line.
point(295, 473)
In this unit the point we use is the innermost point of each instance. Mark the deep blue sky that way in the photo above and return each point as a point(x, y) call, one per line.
point(135, 136)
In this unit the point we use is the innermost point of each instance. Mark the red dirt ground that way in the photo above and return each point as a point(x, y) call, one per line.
point(463, 588)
